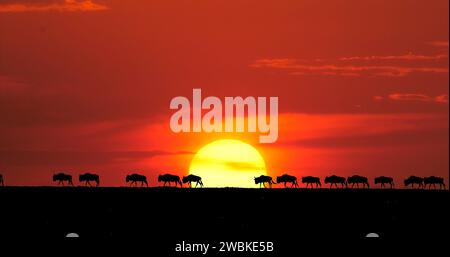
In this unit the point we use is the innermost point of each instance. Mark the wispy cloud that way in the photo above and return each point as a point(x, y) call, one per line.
point(298, 68)
point(413, 97)
point(404, 57)
point(392, 65)
point(441, 99)
point(60, 6)
point(439, 43)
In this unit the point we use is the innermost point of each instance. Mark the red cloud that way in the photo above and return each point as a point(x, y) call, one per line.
point(418, 97)
point(405, 57)
point(441, 99)
point(343, 70)
point(439, 43)
point(64, 6)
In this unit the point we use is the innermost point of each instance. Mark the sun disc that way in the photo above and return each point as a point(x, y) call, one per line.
point(228, 163)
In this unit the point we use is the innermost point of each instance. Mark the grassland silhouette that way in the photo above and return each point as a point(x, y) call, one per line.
point(171, 180)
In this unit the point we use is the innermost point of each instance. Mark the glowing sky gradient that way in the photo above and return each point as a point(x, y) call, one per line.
point(86, 85)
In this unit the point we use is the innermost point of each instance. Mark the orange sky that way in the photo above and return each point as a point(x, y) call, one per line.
point(86, 85)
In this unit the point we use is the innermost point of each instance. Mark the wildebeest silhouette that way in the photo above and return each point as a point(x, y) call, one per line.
point(192, 178)
point(356, 180)
point(429, 181)
point(2, 182)
point(414, 180)
point(169, 178)
point(285, 178)
point(310, 180)
point(61, 177)
point(335, 180)
point(262, 180)
point(88, 177)
point(134, 178)
point(384, 180)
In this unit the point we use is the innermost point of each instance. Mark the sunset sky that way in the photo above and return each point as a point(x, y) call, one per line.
point(85, 85)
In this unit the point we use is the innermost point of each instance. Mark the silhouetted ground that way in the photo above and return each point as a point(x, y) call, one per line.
point(173, 214)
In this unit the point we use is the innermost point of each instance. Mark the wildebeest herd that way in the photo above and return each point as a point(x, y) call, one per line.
point(355, 181)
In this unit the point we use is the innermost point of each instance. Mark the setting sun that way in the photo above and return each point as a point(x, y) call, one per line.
point(228, 163)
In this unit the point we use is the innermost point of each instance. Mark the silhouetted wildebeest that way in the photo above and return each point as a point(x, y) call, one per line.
point(134, 178)
point(88, 177)
point(262, 180)
point(169, 178)
point(434, 181)
point(335, 180)
point(61, 177)
point(414, 180)
point(2, 182)
point(356, 180)
point(285, 178)
point(310, 180)
point(192, 178)
point(384, 180)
